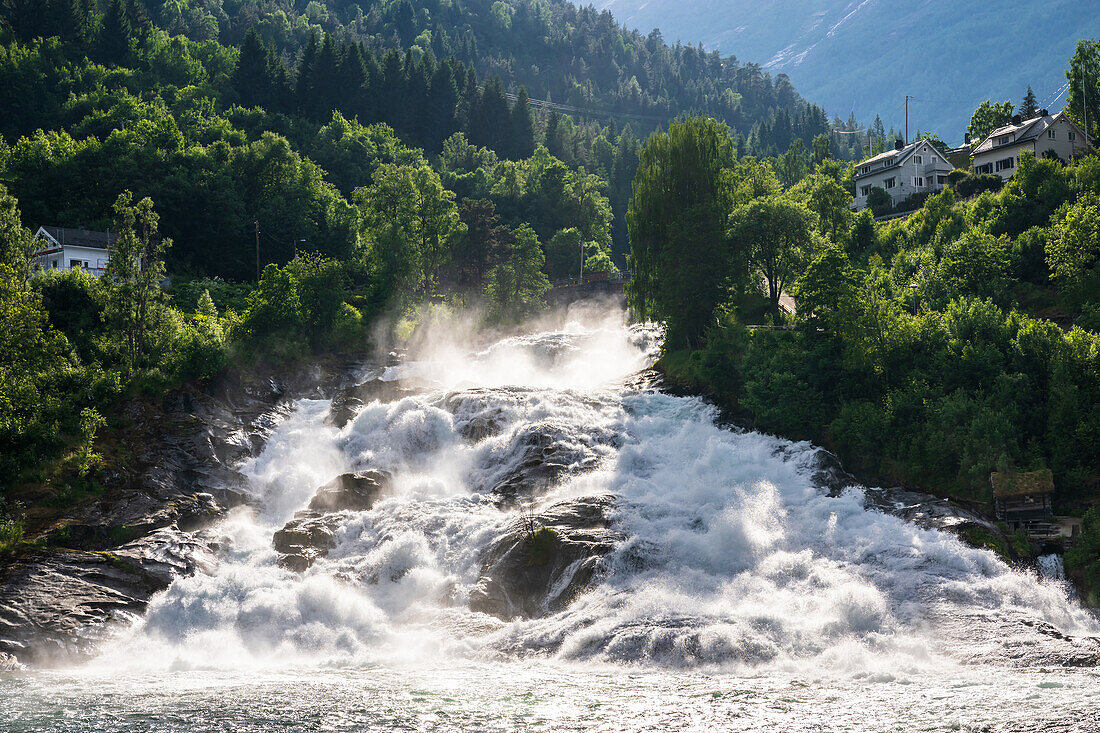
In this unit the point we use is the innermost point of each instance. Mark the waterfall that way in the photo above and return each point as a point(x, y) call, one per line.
point(682, 543)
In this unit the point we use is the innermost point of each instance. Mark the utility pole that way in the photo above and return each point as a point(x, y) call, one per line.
point(257, 225)
point(907, 98)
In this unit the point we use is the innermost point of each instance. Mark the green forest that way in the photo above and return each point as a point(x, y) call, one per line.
point(289, 171)
point(283, 175)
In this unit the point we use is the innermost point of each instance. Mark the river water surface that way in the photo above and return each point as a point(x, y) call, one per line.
point(738, 594)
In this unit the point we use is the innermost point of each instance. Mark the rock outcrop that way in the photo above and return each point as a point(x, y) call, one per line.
point(311, 534)
point(351, 492)
point(542, 563)
point(100, 561)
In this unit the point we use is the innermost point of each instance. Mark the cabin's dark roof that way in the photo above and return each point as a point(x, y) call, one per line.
point(1012, 484)
point(82, 237)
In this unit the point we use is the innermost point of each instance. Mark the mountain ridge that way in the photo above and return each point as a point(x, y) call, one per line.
point(849, 55)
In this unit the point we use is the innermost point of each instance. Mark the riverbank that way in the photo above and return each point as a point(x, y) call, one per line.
point(715, 375)
point(93, 555)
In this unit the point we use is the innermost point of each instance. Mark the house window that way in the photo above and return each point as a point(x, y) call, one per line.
point(865, 191)
point(1004, 140)
point(918, 182)
point(889, 183)
point(941, 180)
point(865, 169)
point(1050, 134)
point(1072, 136)
point(919, 159)
point(1006, 164)
point(53, 263)
point(982, 169)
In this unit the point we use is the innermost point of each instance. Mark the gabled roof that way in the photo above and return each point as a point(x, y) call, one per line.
point(1024, 132)
point(79, 237)
point(901, 156)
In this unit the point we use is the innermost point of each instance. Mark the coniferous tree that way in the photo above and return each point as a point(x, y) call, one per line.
point(303, 86)
point(251, 78)
point(523, 128)
point(115, 35)
point(1029, 107)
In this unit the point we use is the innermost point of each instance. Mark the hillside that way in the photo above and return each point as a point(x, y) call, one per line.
point(864, 57)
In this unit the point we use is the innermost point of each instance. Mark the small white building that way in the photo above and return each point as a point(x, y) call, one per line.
point(70, 249)
point(907, 169)
point(1044, 136)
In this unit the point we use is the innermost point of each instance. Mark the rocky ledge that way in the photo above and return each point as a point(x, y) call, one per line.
point(544, 561)
point(101, 561)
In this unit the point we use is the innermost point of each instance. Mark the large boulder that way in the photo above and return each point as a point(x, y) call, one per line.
point(347, 402)
point(543, 562)
point(312, 532)
point(543, 454)
point(304, 539)
point(351, 492)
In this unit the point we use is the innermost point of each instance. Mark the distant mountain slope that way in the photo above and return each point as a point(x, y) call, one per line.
point(864, 56)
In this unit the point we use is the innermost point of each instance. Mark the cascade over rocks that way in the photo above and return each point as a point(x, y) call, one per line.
point(538, 567)
point(312, 532)
point(546, 452)
point(103, 559)
point(351, 491)
point(347, 401)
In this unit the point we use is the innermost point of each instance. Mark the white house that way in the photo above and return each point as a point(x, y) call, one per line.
point(907, 169)
point(1044, 135)
point(70, 249)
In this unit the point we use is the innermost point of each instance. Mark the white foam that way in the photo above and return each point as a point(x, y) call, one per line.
point(731, 555)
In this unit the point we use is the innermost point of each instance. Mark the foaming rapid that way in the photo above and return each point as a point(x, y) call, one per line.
point(682, 544)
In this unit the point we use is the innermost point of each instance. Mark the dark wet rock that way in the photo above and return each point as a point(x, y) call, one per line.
point(829, 474)
point(348, 401)
point(173, 472)
point(540, 565)
point(351, 492)
point(58, 604)
point(312, 533)
point(304, 539)
point(927, 511)
point(544, 453)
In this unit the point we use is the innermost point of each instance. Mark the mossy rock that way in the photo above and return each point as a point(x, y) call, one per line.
point(541, 545)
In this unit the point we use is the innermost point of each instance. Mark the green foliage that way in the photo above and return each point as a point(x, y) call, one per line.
point(1084, 86)
point(681, 255)
point(136, 267)
point(541, 545)
point(1074, 245)
point(12, 530)
point(987, 118)
point(37, 368)
point(516, 286)
point(85, 458)
point(778, 236)
point(1083, 559)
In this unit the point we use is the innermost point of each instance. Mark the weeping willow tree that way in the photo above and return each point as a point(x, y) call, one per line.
point(681, 257)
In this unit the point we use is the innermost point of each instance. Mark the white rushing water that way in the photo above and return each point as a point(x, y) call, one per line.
point(738, 595)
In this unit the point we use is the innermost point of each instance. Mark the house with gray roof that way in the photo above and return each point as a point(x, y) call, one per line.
point(60, 248)
point(907, 169)
point(1045, 135)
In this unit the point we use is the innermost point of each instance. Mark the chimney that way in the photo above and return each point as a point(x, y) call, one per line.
point(899, 144)
point(1016, 119)
point(966, 139)
point(1044, 113)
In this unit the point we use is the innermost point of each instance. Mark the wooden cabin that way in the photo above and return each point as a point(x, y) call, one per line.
point(1023, 499)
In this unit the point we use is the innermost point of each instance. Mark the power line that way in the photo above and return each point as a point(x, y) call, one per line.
point(589, 112)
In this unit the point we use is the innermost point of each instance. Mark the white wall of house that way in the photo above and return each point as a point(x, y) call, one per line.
point(922, 170)
point(69, 257)
point(1060, 137)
